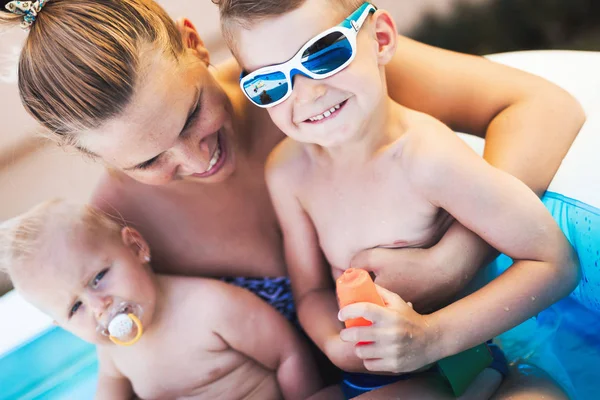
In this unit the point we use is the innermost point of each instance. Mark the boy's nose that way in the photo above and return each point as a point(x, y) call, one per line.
point(308, 90)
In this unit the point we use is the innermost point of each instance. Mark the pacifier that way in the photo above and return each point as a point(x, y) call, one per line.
point(124, 326)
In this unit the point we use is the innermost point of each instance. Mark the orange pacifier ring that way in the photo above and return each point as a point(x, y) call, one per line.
point(140, 331)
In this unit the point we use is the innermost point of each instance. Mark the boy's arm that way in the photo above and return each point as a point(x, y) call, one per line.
point(529, 125)
point(255, 329)
point(112, 385)
point(309, 272)
point(504, 212)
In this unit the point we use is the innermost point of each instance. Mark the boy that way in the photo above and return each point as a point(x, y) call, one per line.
point(156, 335)
point(360, 171)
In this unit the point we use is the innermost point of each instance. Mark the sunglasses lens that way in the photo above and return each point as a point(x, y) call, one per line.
point(268, 88)
point(327, 54)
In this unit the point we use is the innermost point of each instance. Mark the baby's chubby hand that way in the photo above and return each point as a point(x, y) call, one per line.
point(401, 340)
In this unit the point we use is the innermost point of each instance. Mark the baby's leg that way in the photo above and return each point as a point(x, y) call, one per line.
point(529, 383)
point(432, 386)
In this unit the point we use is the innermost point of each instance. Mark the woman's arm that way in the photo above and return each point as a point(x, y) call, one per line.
point(528, 122)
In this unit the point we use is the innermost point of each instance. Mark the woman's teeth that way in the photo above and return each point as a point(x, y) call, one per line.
point(325, 114)
point(215, 156)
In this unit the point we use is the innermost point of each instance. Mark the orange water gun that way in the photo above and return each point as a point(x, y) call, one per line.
point(356, 286)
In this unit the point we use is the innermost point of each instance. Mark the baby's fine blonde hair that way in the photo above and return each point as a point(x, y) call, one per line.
point(81, 60)
point(22, 236)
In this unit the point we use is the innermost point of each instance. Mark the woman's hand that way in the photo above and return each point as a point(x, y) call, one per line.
point(401, 340)
point(429, 278)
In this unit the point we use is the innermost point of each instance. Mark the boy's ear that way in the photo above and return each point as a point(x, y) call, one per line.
point(132, 239)
point(191, 39)
point(386, 35)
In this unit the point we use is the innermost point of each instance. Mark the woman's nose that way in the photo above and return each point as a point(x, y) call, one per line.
point(193, 156)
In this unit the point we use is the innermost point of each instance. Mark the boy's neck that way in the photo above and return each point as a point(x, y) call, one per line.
point(384, 128)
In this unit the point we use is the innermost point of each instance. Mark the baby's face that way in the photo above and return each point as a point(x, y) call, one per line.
point(79, 279)
point(353, 93)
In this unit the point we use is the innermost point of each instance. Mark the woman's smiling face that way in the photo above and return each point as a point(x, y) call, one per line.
point(177, 126)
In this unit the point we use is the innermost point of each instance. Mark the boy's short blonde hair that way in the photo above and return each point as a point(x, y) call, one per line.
point(244, 13)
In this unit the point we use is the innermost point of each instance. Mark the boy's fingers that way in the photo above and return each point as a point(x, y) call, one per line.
point(382, 365)
point(369, 311)
point(359, 334)
point(370, 351)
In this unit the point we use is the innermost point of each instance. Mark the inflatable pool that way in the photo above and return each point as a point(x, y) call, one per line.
point(41, 361)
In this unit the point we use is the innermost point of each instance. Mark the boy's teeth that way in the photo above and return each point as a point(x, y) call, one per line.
point(325, 114)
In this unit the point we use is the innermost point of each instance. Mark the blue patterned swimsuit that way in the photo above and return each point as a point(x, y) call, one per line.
point(275, 291)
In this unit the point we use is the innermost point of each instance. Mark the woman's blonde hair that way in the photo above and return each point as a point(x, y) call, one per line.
point(81, 61)
point(22, 236)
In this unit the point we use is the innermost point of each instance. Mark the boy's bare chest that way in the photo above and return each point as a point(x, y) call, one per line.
point(369, 211)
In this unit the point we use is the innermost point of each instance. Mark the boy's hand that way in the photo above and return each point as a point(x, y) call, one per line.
point(401, 339)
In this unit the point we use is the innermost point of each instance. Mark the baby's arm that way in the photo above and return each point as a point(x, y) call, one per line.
point(505, 213)
point(310, 275)
point(112, 385)
point(254, 328)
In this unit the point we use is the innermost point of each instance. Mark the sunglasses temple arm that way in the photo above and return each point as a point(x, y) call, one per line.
point(357, 19)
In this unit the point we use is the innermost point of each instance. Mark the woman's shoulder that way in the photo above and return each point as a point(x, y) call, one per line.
point(114, 192)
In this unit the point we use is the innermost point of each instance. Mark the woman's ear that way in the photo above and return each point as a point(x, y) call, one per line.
point(132, 239)
point(191, 39)
point(386, 36)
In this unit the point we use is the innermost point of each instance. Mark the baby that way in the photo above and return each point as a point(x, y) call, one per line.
point(360, 171)
point(157, 336)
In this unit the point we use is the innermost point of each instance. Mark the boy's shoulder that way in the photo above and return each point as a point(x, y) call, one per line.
point(425, 147)
point(288, 160)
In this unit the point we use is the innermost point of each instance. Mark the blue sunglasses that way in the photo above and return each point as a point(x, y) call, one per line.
point(324, 55)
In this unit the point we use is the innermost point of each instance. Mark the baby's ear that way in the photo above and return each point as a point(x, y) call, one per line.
point(134, 240)
point(386, 36)
point(191, 39)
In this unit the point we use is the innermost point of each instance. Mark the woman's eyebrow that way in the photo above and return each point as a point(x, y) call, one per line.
point(193, 111)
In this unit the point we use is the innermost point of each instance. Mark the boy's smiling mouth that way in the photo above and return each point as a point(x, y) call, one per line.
point(327, 113)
